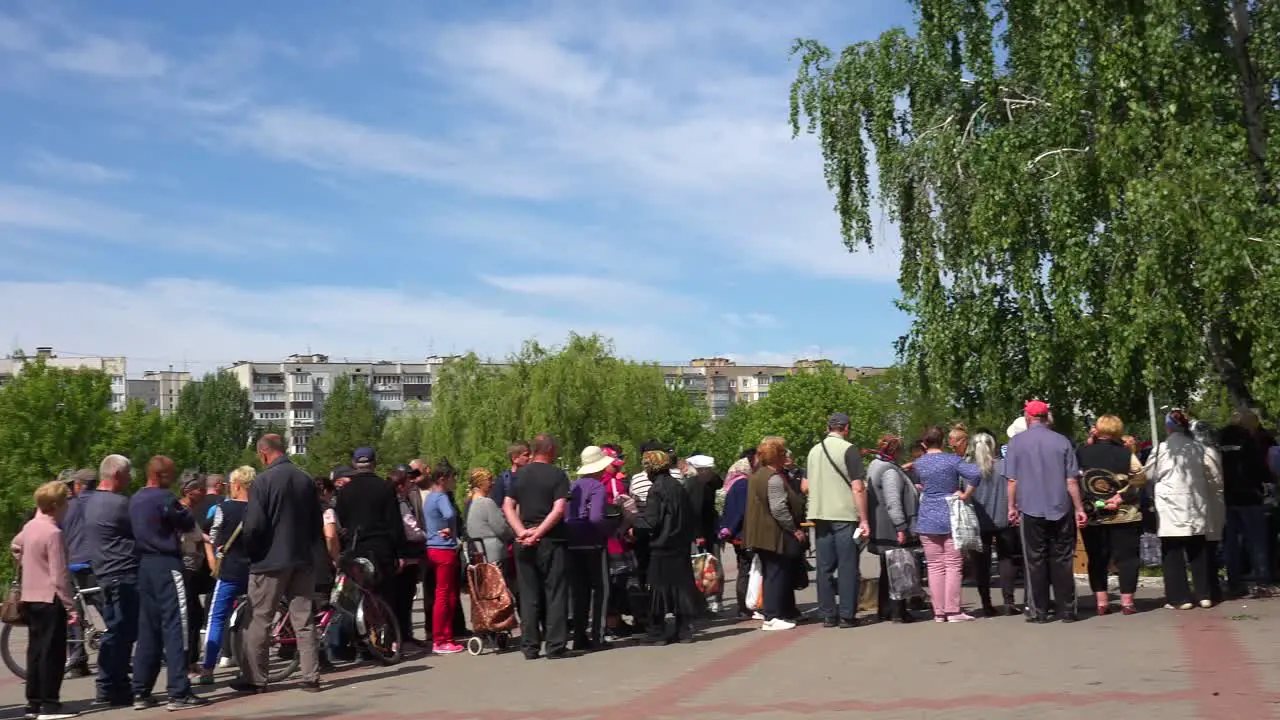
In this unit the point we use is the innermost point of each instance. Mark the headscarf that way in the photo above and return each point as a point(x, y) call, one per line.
point(1177, 420)
point(889, 447)
point(655, 461)
point(739, 470)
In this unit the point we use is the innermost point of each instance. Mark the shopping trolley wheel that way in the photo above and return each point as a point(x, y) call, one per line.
point(475, 645)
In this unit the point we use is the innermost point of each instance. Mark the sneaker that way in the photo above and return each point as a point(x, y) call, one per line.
point(713, 606)
point(145, 702)
point(244, 687)
point(78, 671)
point(960, 617)
point(59, 715)
point(31, 713)
point(939, 618)
point(757, 616)
point(225, 662)
point(1183, 606)
point(449, 648)
point(184, 703)
point(778, 624)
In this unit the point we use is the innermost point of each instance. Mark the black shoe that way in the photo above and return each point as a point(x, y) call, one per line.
point(105, 701)
point(654, 640)
point(1068, 617)
point(31, 713)
point(186, 703)
point(244, 687)
point(585, 645)
point(312, 686)
point(902, 613)
point(830, 623)
point(847, 624)
point(564, 654)
point(78, 671)
point(145, 702)
point(1037, 619)
point(532, 655)
point(1010, 610)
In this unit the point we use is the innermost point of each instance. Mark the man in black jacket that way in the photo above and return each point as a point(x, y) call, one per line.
point(281, 528)
point(369, 512)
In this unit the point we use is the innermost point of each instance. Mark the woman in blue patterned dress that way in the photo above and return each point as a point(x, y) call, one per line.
point(943, 475)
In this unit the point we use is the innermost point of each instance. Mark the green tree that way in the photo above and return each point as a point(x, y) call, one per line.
point(797, 409)
point(51, 419)
point(728, 438)
point(217, 414)
point(1085, 193)
point(581, 393)
point(350, 418)
point(402, 437)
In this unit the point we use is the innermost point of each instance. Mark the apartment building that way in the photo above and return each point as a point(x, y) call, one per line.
point(159, 389)
point(113, 367)
point(721, 383)
point(291, 393)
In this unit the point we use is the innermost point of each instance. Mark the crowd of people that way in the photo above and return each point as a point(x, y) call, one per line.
point(607, 556)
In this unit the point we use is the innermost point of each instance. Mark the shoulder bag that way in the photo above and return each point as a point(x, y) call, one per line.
point(11, 608)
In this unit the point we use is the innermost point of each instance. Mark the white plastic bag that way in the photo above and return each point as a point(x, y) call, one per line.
point(755, 585)
point(965, 532)
point(904, 574)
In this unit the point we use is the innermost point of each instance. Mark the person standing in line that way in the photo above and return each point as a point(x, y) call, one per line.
point(588, 534)
point(47, 601)
point(991, 504)
point(226, 552)
point(442, 521)
point(772, 531)
point(1245, 475)
point(535, 511)
point(413, 552)
point(943, 476)
point(732, 524)
point(1044, 500)
point(281, 528)
point(893, 508)
point(114, 561)
point(1179, 470)
point(837, 506)
point(79, 553)
point(215, 491)
point(159, 522)
point(703, 482)
point(1114, 532)
point(519, 455)
point(369, 512)
point(196, 576)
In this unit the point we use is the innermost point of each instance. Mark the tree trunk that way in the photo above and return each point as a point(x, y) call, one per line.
point(1251, 97)
point(1222, 353)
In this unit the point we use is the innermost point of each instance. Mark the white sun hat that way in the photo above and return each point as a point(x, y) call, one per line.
point(594, 460)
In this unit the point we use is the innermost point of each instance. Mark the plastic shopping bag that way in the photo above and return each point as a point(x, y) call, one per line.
point(706, 573)
point(904, 574)
point(755, 585)
point(965, 532)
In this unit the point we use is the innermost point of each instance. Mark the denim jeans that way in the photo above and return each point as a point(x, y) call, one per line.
point(838, 571)
point(1247, 532)
point(115, 651)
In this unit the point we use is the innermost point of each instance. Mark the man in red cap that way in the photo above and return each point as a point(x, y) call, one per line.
point(1044, 500)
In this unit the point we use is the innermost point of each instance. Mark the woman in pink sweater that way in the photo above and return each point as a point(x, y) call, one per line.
point(46, 601)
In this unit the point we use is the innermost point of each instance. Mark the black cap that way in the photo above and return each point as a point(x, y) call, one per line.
point(342, 471)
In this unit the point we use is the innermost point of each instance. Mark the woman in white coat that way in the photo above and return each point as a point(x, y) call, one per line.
point(1184, 474)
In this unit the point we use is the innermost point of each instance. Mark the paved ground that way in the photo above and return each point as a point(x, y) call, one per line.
point(1209, 664)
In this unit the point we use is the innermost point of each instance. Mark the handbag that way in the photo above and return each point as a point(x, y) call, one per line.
point(11, 608)
point(755, 585)
point(903, 573)
point(965, 531)
point(222, 551)
point(706, 573)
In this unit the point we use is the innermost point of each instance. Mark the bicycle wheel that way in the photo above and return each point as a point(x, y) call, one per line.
point(13, 649)
point(381, 631)
point(282, 648)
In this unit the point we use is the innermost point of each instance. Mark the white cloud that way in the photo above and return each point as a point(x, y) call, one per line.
point(109, 58)
point(744, 321)
point(604, 292)
point(207, 324)
point(184, 228)
point(60, 168)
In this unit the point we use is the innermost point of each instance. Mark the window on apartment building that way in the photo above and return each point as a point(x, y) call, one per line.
point(386, 379)
point(303, 414)
point(762, 396)
point(390, 397)
point(301, 379)
point(266, 397)
point(117, 399)
point(318, 383)
point(117, 379)
point(417, 379)
point(302, 396)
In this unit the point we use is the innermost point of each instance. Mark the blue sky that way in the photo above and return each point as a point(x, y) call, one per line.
point(207, 182)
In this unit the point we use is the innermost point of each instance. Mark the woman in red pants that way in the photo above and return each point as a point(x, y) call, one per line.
point(442, 556)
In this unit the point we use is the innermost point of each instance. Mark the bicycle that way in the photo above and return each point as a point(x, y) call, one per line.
point(376, 628)
point(13, 638)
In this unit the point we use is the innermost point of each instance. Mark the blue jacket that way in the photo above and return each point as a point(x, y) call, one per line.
point(735, 509)
point(158, 521)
